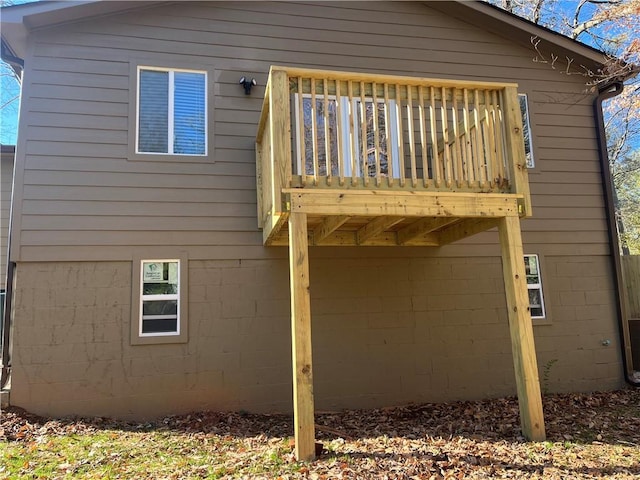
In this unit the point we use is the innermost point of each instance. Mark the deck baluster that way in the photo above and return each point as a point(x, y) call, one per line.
point(423, 137)
point(327, 134)
point(400, 135)
point(387, 133)
point(376, 131)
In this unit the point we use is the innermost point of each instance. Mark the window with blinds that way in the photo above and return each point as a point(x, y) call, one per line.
point(172, 114)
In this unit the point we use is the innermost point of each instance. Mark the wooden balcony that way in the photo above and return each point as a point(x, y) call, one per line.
point(354, 159)
point(385, 160)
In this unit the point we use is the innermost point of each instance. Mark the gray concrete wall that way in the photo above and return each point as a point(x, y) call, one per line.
point(425, 330)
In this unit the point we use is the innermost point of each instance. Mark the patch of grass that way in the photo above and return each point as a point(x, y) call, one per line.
point(113, 454)
point(589, 436)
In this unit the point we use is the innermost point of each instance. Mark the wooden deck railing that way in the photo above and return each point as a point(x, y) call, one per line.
point(321, 129)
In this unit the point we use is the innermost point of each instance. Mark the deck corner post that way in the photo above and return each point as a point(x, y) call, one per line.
point(514, 140)
point(303, 408)
point(521, 329)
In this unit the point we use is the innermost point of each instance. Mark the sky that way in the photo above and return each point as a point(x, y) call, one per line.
point(9, 96)
point(9, 102)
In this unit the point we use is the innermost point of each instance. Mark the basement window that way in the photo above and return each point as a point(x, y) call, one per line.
point(160, 297)
point(171, 112)
point(534, 284)
point(160, 311)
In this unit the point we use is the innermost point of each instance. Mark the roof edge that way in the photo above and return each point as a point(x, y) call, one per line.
point(19, 20)
point(545, 33)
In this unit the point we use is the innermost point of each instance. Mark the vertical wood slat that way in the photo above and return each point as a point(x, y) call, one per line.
point(457, 139)
point(411, 134)
point(478, 142)
point(339, 134)
point(499, 126)
point(303, 408)
point(400, 135)
point(314, 131)
point(303, 146)
point(352, 142)
point(484, 118)
point(280, 137)
point(423, 137)
point(363, 136)
point(376, 132)
point(267, 173)
point(387, 134)
point(492, 138)
point(327, 135)
point(631, 276)
point(446, 153)
point(514, 141)
point(434, 138)
point(260, 185)
point(521, 329)
point(467, 140)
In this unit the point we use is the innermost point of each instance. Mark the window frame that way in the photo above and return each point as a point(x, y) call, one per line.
point(526, 125)
point(163, 62)
point(138, 297)
point(158, 298)
point(537, 286)
point(170, 110)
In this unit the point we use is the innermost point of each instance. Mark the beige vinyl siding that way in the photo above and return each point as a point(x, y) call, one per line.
point(84, 200)
point(6, 181)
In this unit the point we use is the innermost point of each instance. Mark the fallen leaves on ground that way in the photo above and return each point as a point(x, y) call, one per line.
point(588, 436)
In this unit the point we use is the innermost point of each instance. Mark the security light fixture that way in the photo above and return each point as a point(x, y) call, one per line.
point(247, 84)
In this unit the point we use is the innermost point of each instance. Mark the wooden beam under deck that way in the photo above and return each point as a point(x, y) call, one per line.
point(389, 218)
point(375, 227)
point(422, 227)
point(401, 204)
point(466, 228)
point(327, 227)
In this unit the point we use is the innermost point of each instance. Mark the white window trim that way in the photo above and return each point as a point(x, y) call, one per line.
point(170, 111)
point(348, 117)
point(172, 296)
point(527, 125)
point(537, 286)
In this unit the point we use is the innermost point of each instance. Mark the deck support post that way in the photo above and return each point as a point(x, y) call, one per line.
point(301, 337)
point(522, 342)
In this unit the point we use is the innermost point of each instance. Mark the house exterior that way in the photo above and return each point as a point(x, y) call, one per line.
point(144, 283)
point(6, 176)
